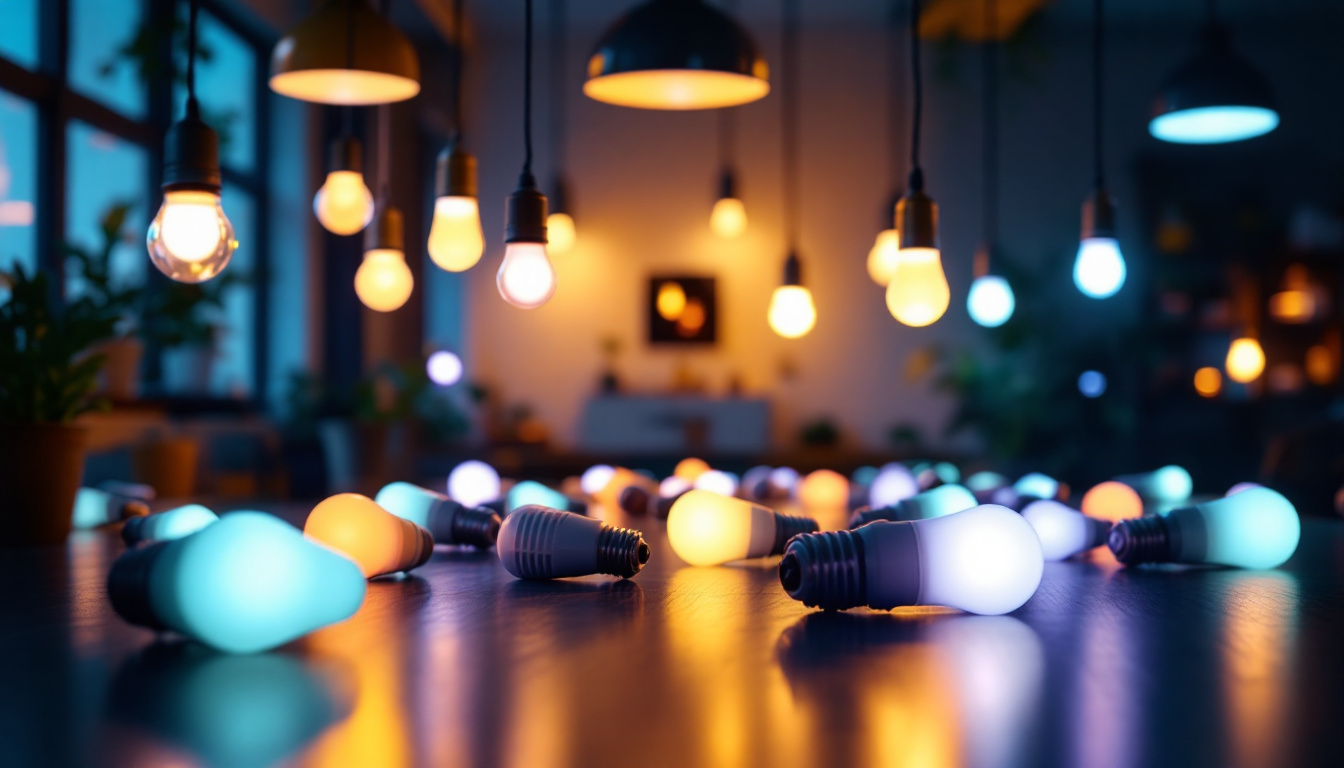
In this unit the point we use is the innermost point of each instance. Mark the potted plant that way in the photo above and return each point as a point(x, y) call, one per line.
point(47, 378)
point(177, 318)
point(120, 378)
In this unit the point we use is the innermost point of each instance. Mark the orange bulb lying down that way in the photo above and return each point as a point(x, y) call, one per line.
point(378, 541)
point(1112, 501)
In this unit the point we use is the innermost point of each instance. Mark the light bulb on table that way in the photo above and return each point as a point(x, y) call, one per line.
point(446, 520)
point(669, 490)
point(691, 468)
point(94, 507)
point(541, 543)
point(167, 525)
point(824, 489)
point(1037, 485)
point(377, 540)
point(893, 483)
point(984, 560)
point(918, 294)
point(244, 584)
point(1245, 360)
point(530, 492)
point(937, 502)
point(882, 257)
point(784, 480)
point(1112, 501)
point(990, 302)
point(343, 204)
point(473, 483)
point(615, 488)
point(455, 238)
point(1168, 484)
point(985, 481)
point(595, 478)
point(190, 239)
point(1064, 531)
point(1257, 528)
point(526, 278)
point(724, 483)
point(707, 528)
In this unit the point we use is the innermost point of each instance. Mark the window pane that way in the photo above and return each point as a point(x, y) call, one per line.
point(110, 52)
point(233, 370)
point(18, 181)
point(104, 172)
point(18, 31)
point(225, 87)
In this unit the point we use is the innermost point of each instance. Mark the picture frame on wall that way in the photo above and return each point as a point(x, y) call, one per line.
point(682, 309)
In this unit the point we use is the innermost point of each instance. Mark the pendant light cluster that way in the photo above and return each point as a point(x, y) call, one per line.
point(384, 281)
point(728, 218)
point(882, 256)
point(456, 241)
point(990, 301)
point(1099, 270)
point(561, 230)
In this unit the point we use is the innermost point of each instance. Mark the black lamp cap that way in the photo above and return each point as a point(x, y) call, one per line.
point(559, 199)
point(793, 269)
point(1213, 77)
point(346, 154)
point(455, 172)
point(917, 215)
point(980, 264)
point(1099, 215)
point(727, 184)
point(676, 34)
point(386, 231)
point(525, 213)
point(191, 155)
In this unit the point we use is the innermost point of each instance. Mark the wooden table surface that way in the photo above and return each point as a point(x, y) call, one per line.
point(462, 665)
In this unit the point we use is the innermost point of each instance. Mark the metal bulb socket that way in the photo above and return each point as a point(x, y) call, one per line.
point(455, 173)
point(387, 231)
point(191, 156)
point(1099, 215)
point(525, 213)
point(345, 154)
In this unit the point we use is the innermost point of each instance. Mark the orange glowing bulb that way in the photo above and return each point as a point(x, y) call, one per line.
point(1112, 501)
point(610, 494)
point(824, 489)
point(378, 541)
point(1245, 360)
point(691, 468)
point(1208, 381)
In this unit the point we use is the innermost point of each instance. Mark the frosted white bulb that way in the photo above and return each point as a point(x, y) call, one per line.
point(1099, 270)
point(343, 204)
point(540, 543)
point(190, 239)
point(984, 560)
point(444, 368)
point(596, 477)
point(882, 257)
point(383, 281)
point(721, 483)
point(707, 528)
point(472, 483)
point(937, 502)
point(526, 278)
point(1064, 531)
point(792, 313)
point(1166, 485)
point(729, 218)
point(893, 483)
point(918, 294)
point(990, 302)
point(1257, 528)
point(673, 485)
point(168, 525)
point(455, 238)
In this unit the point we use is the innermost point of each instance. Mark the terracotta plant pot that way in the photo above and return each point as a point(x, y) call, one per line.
point(40, 470)
point(168, 465)
point(120, 377)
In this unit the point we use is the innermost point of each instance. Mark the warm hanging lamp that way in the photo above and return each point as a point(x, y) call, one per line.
point(1099, 270)
point(343, 204)
point(676, 54)
point(456, 241)
point(792, 312)
point(345, 53)
point(383, 281)
point(190, 239)
point(728, 217)
point(1214, 98)
point(918, 294)
point(881, 263)
point(990, 301)
point(561, 232)
point(526, 278)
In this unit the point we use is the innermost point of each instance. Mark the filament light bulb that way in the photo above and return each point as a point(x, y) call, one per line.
point(190, 239)
point(937, 502)
point(1099, 271)
point(707, 528)
point(918, 294)
point(473, 483)
point(377, 540)
point(245, 584)
point(1064, 531)
point(1245, 360)
point(540, 543)
point(792, 313)
point(167, 526)
point(343, 204)
point(984, 560)
point(446, 520)
point(991, 301)
point(456, 241)
point(526, 278)
point(882, 257)
point(728, 219)
point(561, 233)
point(1257, 528)
point(383, 281)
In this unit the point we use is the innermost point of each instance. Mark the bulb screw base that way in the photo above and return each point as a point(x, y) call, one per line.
point(727, 184)
point(793, 269)
point(191, 156)
point(865, 515)
point(128, 587)
point(1141, 540)
point(475, 527)
point(1099, 215)
point(917, 218)
point(455, 173)
point(634, 500)
point(346, 154)
point(826, 570)
point(788, 526)
point(621, 552)
point(387, 231)
point(525, 213)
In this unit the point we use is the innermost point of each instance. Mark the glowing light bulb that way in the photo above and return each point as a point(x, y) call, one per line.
point(526, 278)
point(1099, 270)
point(991, 301)
point(1245, 360)
point(918, 294)
point(168, 525)
point(1213, 125)
point(446, 520)
point(530, 492)
point(244, 584)
point(455, 238)
point(729, 218)
point(94, 508)
point(673, 485)
point(1092, 384)
point(937, 502)
point(444, 368)
point(784, 479)
point(824, 489)
point(540, 543)
point(984, 560)
point(596, 477)
point(343, 204)
point(472, 483)
point(561, 234)
point(947, 472)
point(1240, 487)
point(1168, 484)
point(893, 483)
point(719, 482)
point(383, 282)
point(1064, 531)
point(707, 528)
point(1208, 381)
point(985, 481)
point(691, 468)
point(882, 257)
point(190, 239)
point(621, 479)
point(377, 540)
point(792, 313)
point(1037, 485)
point(1257, 528)
point(1112, 501)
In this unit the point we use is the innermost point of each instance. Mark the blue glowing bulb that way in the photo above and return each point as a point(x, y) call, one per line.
point(1166, 485)
point(937, 502)
point(94, 508)
point(1257, 528)
point(244, 584)
point(1099, 270)
point(1092, 383)
point(532, 492)
point(1213, 125)
point(990, 301)
point(1037, 485)
point(166, 526)
point(985, 481)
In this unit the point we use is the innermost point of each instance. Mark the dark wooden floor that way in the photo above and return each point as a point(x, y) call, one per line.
point(461, 665)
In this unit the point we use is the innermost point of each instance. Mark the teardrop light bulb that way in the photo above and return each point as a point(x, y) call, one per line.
point(473, 483)
point(383, 281)
point(446, 520)
point(561, 233)
point(991, 301)
point(167, 525)
point(1064, 531)
point(1099, 270)
point(377, 540)
point(792, 313)
point(728, 219)
point(1245, 360)
point(1166, 485)
point(984, 560)
point(824, 489)
point(893, 483)
point(707, 528)
point(918, 294)
point(190, 239)
point(882, 257)
point(1257, 528)
point(936, 502)
point(344, 204)
point(456, 241)
point(526, 278)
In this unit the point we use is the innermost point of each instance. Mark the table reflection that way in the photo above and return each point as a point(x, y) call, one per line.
point(1259, 641)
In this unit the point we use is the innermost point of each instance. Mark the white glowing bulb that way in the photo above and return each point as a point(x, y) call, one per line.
point(893, 483)
point(526, 278)
point(707, 528)
point(383, 281)
point(918, 294)
point(596, 478)
point(444, 368)
point(472, 483)
point(784, 478)
point(673, 485)
point(1099, 270)
point(1064, 531)
point(990, 301)
point(792, 313)
point(729, 218)
point(190, 239)
point(721, 483)
point(343, 204)
point(561, 233)
point(882, 257)
point(455, 238)
point(1245, 360)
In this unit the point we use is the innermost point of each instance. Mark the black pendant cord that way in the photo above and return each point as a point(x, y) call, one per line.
point(526, 179)
point(789, 105)
point(991, 127)
point(193, 108)
point(384, 138)
point(727, 127)
point(1098, 81)
point(455, 106)
point(916, 173)
point(559, 107)
point(893, 101)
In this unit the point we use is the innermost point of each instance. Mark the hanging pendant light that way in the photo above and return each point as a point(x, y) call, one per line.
point(792, 312)
point(676, 54)
point(561, 232)
point(456, 241)
point(881, 263)
point(990, 301)
point(1245, 359)
point(1214, 98)
point(383, 281)
point(345, 53)
point(526, 278)
point(1099, 270)
point(917, 294)
point(343, 204)
point(190, 239)
point(728, 218)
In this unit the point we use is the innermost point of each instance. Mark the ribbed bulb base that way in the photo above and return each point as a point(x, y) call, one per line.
point(128, 585)
point(825, 570)
point(866, 515)
point(477, 527)
point(788, 526)
point(1141, 540)
point(621, 552)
